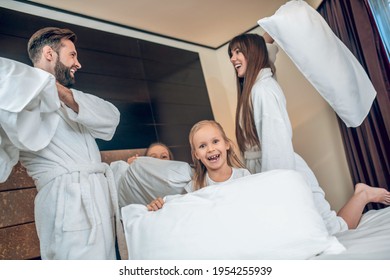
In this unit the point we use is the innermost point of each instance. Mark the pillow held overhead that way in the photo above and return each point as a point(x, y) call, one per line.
point(323, 59)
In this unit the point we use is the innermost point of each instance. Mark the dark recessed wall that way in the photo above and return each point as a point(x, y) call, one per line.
point(160, 90)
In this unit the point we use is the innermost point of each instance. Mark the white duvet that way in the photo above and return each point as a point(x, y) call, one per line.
point(369, 241)
point(263, 216)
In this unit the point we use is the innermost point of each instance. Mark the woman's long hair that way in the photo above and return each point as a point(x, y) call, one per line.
point(254, 49)
point(199, 178)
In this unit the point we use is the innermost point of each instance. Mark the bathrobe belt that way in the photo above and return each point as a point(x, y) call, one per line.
point(85, 170)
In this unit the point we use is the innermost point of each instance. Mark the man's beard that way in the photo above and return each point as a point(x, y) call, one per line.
point(62, 74)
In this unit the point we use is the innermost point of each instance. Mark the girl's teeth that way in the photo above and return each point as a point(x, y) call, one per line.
point(213, 157)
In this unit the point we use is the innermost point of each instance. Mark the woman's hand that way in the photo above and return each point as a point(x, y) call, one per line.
point(267, 38)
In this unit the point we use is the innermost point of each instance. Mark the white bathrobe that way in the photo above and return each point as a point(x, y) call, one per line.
point(275, 134)
point(76, 203)
point(76, 198)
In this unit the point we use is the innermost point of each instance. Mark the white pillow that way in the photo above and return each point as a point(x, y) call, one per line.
point(270, 215)
point(323, 59)
point(148, 178)
point(29, 100)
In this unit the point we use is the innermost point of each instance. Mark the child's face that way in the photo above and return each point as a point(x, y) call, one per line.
point(210, 147)
point(158, 152)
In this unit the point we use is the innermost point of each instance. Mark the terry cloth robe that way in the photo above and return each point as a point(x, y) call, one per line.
point(76, 198)
point(275, 134)
point(28, 100)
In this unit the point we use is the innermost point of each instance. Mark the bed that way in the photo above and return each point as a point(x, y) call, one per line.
point(263, 216)
point(370, 241)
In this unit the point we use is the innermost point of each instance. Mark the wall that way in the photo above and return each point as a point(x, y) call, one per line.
point(316, 134)
point(160, 90)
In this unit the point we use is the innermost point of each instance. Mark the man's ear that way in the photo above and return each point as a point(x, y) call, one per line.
point(48, 53)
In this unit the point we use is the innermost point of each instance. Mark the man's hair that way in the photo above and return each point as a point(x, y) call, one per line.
point(48, 36)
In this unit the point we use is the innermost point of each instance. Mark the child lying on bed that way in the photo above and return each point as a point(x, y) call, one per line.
point(214, 159)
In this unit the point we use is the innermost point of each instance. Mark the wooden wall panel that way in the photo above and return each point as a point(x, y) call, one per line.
point(105, 42)
point(171, 113)
point(168, 134)
point(183, 151)
point(130, 136)
point(110, 156)
point(16, 50)
point(18, 237)
point(19, 242)
point(112, 65)
point(137, 127)
point(18, 179)
point(114, 88)
point(161, 92)
point(173, 73)
point(165, 54)
point(17, 207)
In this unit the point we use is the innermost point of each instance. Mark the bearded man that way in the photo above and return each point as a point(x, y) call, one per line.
point(76, 200)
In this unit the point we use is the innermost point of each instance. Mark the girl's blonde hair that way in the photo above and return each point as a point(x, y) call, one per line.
point(254, 49)
point(199, 178)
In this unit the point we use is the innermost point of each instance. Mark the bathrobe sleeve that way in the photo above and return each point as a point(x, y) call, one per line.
point(98, 116)
point(272, 51)
point(273, 130)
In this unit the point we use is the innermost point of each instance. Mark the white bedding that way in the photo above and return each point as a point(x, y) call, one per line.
point(370, 241)
point(148, 178)
point(262, 216)
point(272, 211)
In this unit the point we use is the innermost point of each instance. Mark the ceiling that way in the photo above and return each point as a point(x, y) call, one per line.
point(208, 23)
